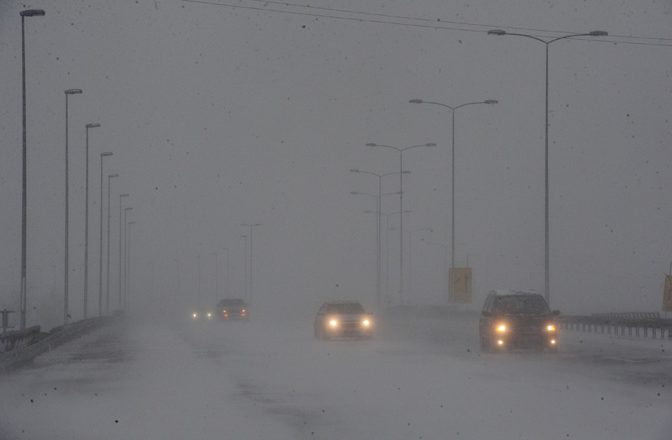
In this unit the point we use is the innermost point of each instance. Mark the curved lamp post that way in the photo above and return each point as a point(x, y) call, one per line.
point(107, 271)
point(23, 297)
point(100, 245)
point(452, 109)
point(546, 43)
point(86, 221)
point(119, 270)
point(401, 206)
point(66, 270)
point(378, 221)
point(251, 226)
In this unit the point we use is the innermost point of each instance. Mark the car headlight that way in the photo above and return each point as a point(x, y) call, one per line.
point(194, 315)
point(333, 323)
point(209, 315)
point(550, 328)
point(502, 327)
point(366, 323)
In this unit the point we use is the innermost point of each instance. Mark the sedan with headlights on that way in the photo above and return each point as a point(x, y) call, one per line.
point(514, 319)
point(343, 319)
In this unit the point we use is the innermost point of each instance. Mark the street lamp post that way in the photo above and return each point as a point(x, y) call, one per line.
point(119, 270)
point(227, 285)
point(216, 255)
point(547, 43)
point(107, 277)
point(86, 221)
point(453, 109)
point(100, 246)
point(23, 297)
point(251, 226)
point(245, 286)
point(378, 229)
point(126, 257)
point(401, 207)
point(66, 269)
point(387, 216)
point(128, 265)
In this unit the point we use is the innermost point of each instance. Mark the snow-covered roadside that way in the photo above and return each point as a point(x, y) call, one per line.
point(401, 390)
point(272, 380)
point(152, 386)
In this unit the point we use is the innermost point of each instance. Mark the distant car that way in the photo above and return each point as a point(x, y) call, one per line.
point(202, 314)
point(231, 309)
point(343, 319)
point(513, 319)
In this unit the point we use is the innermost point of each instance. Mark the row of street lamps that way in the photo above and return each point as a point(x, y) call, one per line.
point(247, 265)
point(453, 110)
point(66, 300)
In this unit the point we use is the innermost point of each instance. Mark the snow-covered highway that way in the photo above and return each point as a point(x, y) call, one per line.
point(268, 379)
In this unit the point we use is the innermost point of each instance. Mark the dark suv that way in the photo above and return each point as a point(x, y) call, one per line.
point(512, 319)
point(232, 308)
point(342, 319)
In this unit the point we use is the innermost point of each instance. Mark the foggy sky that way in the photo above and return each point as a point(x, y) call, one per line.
point(218, 117)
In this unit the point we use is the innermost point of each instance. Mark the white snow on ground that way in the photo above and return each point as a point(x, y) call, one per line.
point(163, 391)
point(272, 380)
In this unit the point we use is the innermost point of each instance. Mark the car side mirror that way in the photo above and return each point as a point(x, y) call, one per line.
point(555, 312)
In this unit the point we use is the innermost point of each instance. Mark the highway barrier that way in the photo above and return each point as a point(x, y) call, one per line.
point(30, 343)
point(632, 324)
point(15, 340)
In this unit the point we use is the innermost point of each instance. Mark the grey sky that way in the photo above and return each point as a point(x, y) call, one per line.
point(219, 117)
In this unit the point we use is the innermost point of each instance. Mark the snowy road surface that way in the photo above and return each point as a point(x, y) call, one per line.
point(419, 379)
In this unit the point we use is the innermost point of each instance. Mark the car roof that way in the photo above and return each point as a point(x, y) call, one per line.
point(341, 302)
point(507, 292)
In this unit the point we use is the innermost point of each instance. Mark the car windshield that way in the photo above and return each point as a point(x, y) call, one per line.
point(345, 308)
point(521, 304)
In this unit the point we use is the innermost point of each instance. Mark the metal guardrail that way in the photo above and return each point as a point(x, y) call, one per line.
point(15, 340)
point(60, 335)
point(637, 324)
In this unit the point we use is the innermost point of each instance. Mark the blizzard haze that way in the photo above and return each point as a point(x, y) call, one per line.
point(221, 114)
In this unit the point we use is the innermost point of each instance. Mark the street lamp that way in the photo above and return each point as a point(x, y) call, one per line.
point(401, 206)
point(121, 196)
point(128, 265)
point(245, 286)
point(547, 43)
point(126, 257)
point(251, 226)
point(86, 221)
point(387, 242)
point(216, 255)
point(100, 246)
point(66, 299)
point(378, 220)
point(452, 109)
point(228, 272)
point(107, 279)
point(23, 300)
